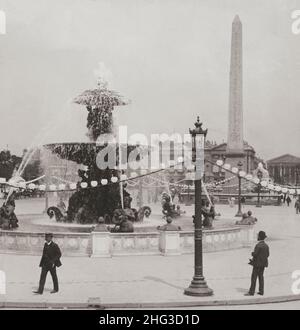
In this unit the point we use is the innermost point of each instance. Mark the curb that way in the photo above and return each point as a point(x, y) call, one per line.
point(207, 303)
point(92, 304)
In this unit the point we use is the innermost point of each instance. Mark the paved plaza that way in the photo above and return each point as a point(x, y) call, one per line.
point(145, 281)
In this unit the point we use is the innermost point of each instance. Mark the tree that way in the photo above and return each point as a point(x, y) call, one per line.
point(8, 163)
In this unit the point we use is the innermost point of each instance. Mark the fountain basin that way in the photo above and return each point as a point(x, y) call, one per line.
point(137, 243)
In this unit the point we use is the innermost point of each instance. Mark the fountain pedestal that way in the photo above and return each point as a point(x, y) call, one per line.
point(101, 244)
point(169, 243)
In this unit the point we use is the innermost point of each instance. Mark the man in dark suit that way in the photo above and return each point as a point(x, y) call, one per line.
point(259, 263)
point(50, 260)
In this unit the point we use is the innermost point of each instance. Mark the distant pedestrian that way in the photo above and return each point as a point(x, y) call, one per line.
point(297, 206)
point(50, 260)
point(288, 200)
point(176, 199)
point(259, 263)
point(231, 201)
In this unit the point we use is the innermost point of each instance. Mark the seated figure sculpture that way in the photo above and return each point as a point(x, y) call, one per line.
point(62, 206)
point(100, 227)
point(8, 218)
point(169, 208)
point(208, 215)
point(252, 220)
point(247, 219)
point(169, 226)
point(87, 213)
point(122, 223)
point(133, 214)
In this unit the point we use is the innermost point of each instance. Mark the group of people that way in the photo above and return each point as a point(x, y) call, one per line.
point(285, 199)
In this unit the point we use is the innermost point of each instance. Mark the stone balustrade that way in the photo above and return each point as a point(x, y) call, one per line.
point(106, 244)
point(134, 243)
point(71, 244)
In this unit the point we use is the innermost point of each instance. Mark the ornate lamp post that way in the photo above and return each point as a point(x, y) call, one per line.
point(239, 212)
point(259, 176)
point(198, 286)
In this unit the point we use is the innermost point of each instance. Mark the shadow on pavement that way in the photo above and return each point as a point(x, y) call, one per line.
point(157, 279)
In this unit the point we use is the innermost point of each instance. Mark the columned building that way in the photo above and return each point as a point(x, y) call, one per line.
point(285, 169)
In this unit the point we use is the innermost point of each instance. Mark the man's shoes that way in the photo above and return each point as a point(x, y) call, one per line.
point(54, 291)
point(249, 294)
point(260, 293)
point(37, 292)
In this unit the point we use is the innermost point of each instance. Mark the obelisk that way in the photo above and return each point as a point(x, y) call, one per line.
point(235, 140)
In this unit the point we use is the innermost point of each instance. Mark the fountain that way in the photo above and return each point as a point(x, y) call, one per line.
point(100, 195)
point(110, 201)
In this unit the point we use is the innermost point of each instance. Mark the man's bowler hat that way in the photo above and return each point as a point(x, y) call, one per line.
point(262, 235)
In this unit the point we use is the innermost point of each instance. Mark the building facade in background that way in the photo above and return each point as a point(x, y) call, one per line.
point(285, 169)
point(212, 153)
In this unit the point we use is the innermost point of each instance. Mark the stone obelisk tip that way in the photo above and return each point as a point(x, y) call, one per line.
point(236, 19)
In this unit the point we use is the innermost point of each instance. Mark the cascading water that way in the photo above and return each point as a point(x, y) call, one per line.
point(44, 134)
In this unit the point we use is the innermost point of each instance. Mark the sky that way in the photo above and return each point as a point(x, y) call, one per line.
point(169, 57)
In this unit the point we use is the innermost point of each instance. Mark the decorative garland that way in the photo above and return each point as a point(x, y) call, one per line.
point(70, 186)
point(84, 185)
point(250, 178)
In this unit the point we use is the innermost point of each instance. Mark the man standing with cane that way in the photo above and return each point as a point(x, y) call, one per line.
point(50, 260)
point(259, 262)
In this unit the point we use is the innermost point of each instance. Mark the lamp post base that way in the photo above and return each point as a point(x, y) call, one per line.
point(239, 214)
point(198, 288)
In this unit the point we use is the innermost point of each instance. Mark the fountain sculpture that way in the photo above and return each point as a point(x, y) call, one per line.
point(87, 205)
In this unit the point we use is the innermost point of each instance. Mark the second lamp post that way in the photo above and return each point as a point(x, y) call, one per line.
point(239, 212)
point(259, 176)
